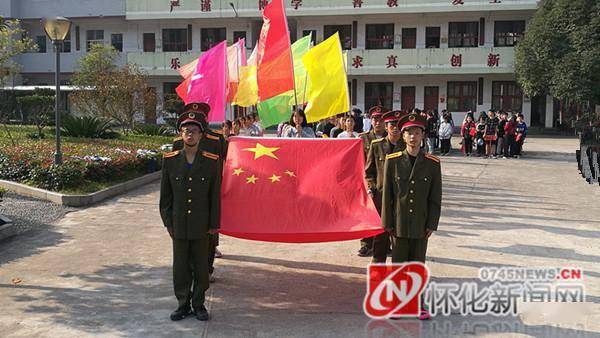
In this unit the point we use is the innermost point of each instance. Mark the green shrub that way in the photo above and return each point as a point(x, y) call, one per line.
point(58, 177)
point(150, 130)
point(87, 127)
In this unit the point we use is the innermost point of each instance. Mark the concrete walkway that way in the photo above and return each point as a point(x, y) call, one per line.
point(105, 270)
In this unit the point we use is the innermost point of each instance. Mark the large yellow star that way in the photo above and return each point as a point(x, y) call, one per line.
point(275, 178)
point(238, 171)
point(252, 179)
point(260, 151)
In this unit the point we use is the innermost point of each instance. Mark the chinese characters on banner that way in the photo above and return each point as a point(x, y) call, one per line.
point(392, 3)
point(456, 60)
point(175, 63)
point(458, 2)
point(205, 5)
point(296, 3)
point(174, 3)
point(262, 4)
point(357, 3)
point(493, 60)
point(357, 61)
point(392, 61)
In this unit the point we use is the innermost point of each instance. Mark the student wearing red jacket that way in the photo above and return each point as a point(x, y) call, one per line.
point(509, 134)
point(467, 131)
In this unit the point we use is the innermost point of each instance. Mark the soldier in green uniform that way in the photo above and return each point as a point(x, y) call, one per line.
point(412, 195)
point(190, 210)
point(213, 142)
point(377, 131)
point(379, 149)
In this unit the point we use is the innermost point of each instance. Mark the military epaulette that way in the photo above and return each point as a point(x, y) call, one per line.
point(217, 131)
point(212, 137)
point(363, 133)
point(433, 158)
point(393, 155)
point(377, 140)
point(171, 154)
point(210, 155)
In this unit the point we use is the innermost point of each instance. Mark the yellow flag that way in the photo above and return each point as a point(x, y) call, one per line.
point(247, 94)
point(327, 92)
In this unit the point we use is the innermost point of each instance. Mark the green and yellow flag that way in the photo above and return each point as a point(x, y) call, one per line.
point(327, 92)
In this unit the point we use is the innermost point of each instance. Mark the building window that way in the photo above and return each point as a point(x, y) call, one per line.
point(409, 38)
point(462, 96)
point(508, 33)
point(432, 37)
point(94, 37)
point(211, 36)
point(65, 47)
point(463, 34)
point(174, 40)
point(313, 36)
point(507, 96)
point(40, 41)
point(345, 34)
point(116, 40)
point(379, 93)
point(239, 35)
point(380, 36)
point(149, 43)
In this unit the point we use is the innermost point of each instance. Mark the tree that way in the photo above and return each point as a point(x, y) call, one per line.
point(560, 53)
point(38, 109)
point(103, 89)
point(12, 43)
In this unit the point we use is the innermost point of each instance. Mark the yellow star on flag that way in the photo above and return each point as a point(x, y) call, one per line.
point(238, 171)
point(259, 151)
point(275, 178)
point(252, 179)
point(290, 173)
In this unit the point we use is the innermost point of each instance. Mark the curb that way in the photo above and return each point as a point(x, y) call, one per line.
point(79, 200)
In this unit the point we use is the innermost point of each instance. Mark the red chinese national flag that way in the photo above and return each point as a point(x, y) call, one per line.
point(296, 191)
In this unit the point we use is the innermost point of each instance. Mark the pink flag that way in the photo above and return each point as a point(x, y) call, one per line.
point(209, 81)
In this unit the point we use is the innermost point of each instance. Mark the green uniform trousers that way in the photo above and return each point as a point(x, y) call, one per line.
point(408, 249)
point(190, 271)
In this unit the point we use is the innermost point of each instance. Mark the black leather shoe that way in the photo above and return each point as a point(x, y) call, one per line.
point(201, 313)
point(180, 313)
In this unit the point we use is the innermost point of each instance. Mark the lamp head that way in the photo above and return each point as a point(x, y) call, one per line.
point(56, 28)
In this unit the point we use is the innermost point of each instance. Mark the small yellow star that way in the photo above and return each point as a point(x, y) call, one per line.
point(259, 151)
point(290, 173)
point(275, 178)
point(252, 179)
point(238, 171)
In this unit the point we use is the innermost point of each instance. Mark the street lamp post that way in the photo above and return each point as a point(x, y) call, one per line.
point(57, 29)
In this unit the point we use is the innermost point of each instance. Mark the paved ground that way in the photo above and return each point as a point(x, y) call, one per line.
point(105, 271)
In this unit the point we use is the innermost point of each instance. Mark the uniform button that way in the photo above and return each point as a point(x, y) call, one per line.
point(190, 190)
point(411, 191)
point(189, 201)
point(189, 179)
point(202, 179)
point(410, 210)
point(189, 211)
point(410, 201)
point(425, 179)
point(412, 182)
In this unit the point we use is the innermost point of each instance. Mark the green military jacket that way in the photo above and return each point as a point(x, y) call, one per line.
point(367, 137)
point(190, 198)
point(412, 196)
point(378, 150)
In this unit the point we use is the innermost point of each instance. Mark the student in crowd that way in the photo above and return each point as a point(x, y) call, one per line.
point(468, 131)
point(348, 129)
point(227, 128)
point(501, 136)
point(509, 134)
point(260, 131)
point(366, 122)
point(237, 126)
point(339, 126)
point(445, 134)
point(297, 126)
point(521, 134)
point(490, 134)
point(431, 132)
point(358, 120)
point(480, 130)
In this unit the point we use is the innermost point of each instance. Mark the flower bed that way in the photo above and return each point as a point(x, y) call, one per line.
point(88, 164)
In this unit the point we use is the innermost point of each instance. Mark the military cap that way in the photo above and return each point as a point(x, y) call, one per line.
point(376, 111)
point(191, 117)
point(412, 120)
point(392, 116)
point(197, 108)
